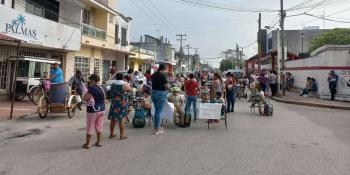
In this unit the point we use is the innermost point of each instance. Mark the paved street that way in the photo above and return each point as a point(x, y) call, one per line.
point(296, 140)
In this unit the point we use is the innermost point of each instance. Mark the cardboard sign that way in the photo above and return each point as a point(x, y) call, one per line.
point(210, 110)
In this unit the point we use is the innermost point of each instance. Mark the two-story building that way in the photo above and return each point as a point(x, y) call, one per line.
point(141, 59)
point(104, 41)
point(48, 30)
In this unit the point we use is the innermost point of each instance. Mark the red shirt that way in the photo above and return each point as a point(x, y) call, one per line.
point(191, 87)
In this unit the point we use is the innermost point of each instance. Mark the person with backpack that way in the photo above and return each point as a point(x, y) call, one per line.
point(119, 106)
point(95, 109)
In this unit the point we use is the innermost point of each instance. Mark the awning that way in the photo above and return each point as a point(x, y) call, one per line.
point(8, 38)
point(36, 59)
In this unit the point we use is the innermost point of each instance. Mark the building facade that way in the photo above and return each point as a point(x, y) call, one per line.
point(48, 30)
point(141, 59)
point(161, 46)
point(296, 41)
point(105, 40)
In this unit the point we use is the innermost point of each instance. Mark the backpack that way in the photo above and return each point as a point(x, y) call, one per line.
point(139, 120)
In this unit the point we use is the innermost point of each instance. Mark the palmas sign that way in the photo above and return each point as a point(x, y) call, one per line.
point(17, 28)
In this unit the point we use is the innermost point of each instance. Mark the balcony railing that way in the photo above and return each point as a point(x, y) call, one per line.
point(93, 32)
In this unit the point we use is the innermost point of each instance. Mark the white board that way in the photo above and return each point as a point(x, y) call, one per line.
point(210, 110)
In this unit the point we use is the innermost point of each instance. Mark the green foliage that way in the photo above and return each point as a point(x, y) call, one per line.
point(231, 57)
point(338, 36)
point(227, 64)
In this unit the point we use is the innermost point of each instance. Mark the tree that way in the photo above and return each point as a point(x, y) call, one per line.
point(338, 36)
point(231, 60)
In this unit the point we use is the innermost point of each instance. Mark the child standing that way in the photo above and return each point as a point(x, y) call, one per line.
point(219, 99)
point(95, 111)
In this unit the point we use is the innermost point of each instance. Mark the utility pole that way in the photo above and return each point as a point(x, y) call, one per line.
point(197, 59)
point(259, 43)
point(181, 39)
point(283, 15)
point(188, 47)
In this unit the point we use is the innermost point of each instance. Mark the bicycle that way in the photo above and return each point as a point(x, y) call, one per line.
point(37, 91)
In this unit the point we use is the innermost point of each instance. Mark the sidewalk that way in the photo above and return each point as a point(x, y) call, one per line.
point(20, 109)
point(295, 98)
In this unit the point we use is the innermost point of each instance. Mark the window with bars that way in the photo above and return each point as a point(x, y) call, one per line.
point(82, 64)
point(97, 66)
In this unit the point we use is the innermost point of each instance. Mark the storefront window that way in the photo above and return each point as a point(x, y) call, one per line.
point(22, 69)
point(82, 64)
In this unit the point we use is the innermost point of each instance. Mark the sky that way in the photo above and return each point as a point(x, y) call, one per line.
point(214, 30)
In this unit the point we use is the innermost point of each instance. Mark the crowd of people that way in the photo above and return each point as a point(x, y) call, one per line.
point(183, 91)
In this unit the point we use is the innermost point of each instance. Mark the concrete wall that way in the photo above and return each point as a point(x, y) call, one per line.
point(318, 66)
point(293, 39)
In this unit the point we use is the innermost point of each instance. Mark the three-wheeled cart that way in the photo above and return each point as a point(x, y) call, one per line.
point(59, 99)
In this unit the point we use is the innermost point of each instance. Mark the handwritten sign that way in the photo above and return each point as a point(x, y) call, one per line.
point(210, 110)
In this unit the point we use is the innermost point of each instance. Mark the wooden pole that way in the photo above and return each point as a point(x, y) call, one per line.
point(13, 87)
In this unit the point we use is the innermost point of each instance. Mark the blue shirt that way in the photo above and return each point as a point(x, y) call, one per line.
point(59, 75)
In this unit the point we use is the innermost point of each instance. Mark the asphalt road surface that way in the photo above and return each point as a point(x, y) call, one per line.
point(296, 140)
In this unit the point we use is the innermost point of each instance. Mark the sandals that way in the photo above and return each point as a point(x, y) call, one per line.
point(97, 144)
point(112, 136)
point(123, 138)
point(86, 146)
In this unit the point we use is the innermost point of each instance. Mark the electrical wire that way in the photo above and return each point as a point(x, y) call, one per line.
point(218, 7)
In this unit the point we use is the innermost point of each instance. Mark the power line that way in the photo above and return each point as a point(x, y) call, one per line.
point(156, 16)
point(144, 12)
point(201, 4)
point(327, 19)
point(161, 15)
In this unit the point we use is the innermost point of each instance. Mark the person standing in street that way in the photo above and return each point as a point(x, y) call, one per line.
point(230, 93)
point(333, 81)
point(56, 74)
point(191, 89)
point(216, 86)
point(77, 84)
point(95, 110)
point(160, 86)
point(273, 83)
point(118, 110)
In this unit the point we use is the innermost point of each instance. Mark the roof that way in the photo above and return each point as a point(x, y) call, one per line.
point(8, 38)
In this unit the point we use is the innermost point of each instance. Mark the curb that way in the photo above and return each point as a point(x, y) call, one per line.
point(311, 104)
